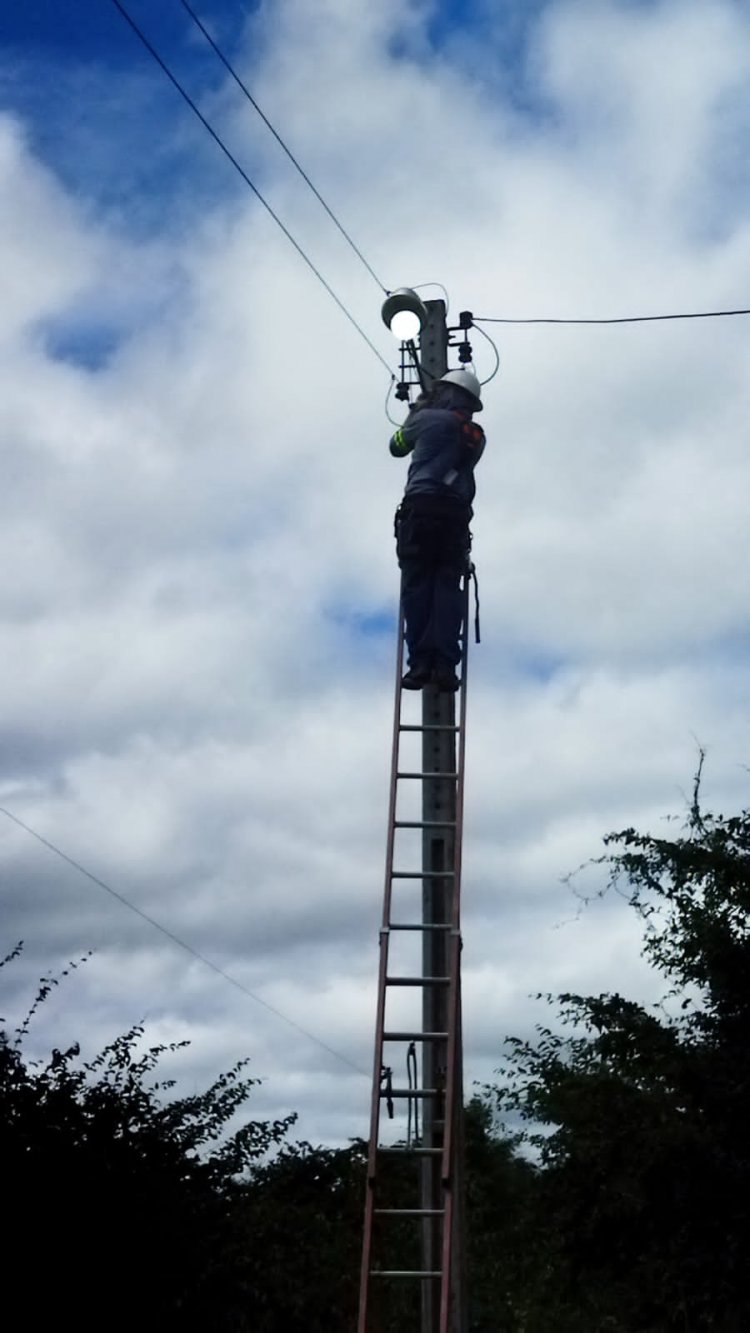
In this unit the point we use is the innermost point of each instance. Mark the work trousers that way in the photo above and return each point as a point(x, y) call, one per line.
point(432, 544)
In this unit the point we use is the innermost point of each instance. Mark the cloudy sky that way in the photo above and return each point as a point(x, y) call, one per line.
point(197, 582)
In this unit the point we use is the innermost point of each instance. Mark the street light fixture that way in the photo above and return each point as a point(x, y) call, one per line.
point(404, 314)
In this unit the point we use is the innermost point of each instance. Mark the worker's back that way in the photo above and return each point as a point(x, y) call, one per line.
point(445, 447)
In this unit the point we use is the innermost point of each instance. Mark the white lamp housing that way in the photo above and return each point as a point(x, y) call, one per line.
point(404, 314)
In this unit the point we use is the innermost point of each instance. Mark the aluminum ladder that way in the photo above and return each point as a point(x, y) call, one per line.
point(416, 1181)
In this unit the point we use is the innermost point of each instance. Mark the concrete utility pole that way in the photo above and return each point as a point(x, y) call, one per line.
point(437, 1154)
point(438, 854)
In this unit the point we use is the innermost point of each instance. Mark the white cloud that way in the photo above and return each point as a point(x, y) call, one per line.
point(191, 532)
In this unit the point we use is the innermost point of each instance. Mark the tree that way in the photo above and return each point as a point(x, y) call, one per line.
point(116, 1202)
point(299, 1222)
point(639, 1119)
point(499, 1195)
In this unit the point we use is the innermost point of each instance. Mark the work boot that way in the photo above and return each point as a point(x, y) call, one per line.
point(416, 677)
point(445, 678)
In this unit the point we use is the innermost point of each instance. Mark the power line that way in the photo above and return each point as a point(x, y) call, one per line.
point(622, 319)
point(227, 65)
point(217, 139)
point(497, 355)
point(182, 944)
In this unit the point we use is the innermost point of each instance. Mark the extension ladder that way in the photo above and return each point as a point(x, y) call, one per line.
point(413, 1211)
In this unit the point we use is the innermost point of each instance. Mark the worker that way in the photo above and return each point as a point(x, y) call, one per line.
point(432, 523)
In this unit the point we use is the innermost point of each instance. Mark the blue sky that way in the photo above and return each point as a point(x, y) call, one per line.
point(197, 579)
point(90, 94)
point(94, 31)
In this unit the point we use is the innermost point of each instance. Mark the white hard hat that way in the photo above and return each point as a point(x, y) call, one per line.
point(464, 379)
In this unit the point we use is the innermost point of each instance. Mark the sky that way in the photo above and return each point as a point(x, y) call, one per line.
point(198, 588)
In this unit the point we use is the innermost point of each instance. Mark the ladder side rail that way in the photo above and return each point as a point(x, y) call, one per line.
point(453, 1306)
point(454, 970)
point(375, 1103)
point(453, 1089)
point(438, 808)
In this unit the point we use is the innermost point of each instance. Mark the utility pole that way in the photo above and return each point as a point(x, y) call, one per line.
point(438, 855)
point(436, 1260)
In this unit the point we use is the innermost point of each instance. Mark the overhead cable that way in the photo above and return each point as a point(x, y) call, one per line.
point(621, 319)
point(387, 405)
point(497, 355)
point(217, 139)
point(182, 944)
point(228, 66)
point(419, 286)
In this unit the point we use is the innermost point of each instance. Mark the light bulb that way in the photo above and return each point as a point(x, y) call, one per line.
point(405, 325)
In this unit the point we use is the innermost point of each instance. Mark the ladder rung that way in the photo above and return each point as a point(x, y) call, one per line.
point(421, 925)
point(411, 1152)
point(429, 726)
point(427, 775)
point(422, 874)
point(415, 1036)
point(406, 1272)
point(417, 981)
point(409, 1212)
point(424, 823)
point(412, 1092)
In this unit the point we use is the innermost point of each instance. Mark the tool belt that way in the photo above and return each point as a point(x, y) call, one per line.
point(417, 525)
point(434, 506)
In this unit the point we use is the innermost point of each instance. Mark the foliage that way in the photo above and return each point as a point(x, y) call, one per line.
point(146, 1209)
point(110, 1189)
point(499, 1194)
point(640, 1118)
point(299, 1221)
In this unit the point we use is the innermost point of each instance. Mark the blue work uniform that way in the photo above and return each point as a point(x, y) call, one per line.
point(432, 527)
